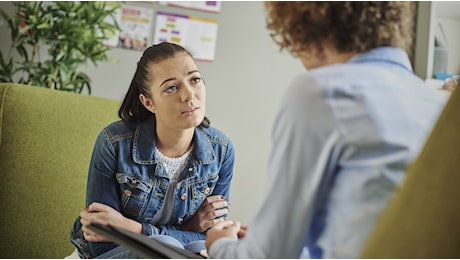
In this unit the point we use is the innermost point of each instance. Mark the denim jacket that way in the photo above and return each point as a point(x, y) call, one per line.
point(126, 175)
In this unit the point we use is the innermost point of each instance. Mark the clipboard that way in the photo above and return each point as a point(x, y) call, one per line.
point(141, 245)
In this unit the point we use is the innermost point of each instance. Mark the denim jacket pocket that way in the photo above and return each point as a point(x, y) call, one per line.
point(204, 187)
point(134, 194)
point(201, 190)
point(190, 195)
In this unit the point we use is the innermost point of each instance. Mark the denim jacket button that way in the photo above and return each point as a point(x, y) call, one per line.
point(183, 196)
point(128, 192)
point(179, 220)
point(190, 169)
point(207, 190)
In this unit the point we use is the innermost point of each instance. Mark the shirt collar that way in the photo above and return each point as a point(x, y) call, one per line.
point(385, 54)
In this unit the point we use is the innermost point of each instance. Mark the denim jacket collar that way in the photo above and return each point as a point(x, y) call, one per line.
point(144, 144)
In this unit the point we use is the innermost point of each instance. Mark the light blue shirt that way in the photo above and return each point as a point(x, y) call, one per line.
point(357, 124)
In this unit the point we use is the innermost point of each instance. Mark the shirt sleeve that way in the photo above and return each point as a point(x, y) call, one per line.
point(303, 137)
point(102, 185)
point(226, 172)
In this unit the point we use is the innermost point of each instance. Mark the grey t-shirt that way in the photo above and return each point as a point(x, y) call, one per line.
point(174, 167)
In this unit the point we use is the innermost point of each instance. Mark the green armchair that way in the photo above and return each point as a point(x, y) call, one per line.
point(46, 141)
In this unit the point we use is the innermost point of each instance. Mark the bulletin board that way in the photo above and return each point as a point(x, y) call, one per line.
point(141, 26)
point(197, 34)
point(207, 6)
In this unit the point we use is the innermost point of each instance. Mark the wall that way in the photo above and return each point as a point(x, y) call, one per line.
point(244, 85)
point(451, 30)
point(448, 15)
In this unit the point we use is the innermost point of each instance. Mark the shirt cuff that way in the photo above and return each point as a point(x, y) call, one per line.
point(218, 247)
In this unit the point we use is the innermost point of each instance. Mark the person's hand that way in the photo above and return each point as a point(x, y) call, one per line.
point(228, 228)
point(208, 215)
point(450, 85)
point(103, 214)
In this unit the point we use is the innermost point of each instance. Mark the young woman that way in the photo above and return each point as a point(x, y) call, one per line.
point(161, 170)
point(344, 133)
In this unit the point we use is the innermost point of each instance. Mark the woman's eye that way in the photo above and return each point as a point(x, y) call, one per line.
point(171, 89)
point(196, 80)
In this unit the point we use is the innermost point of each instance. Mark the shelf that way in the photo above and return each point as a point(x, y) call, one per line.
point(430, 17)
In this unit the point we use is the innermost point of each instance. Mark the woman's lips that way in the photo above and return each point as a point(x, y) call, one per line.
point(189, 111)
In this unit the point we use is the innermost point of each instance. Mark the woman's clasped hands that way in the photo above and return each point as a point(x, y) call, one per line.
point(209, 214)
point(228, 229)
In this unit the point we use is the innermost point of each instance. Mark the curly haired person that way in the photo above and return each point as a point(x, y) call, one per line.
point(344, 133)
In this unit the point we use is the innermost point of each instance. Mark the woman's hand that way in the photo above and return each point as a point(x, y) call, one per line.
point(228, 229)
point(208, 215)
point(103, 214)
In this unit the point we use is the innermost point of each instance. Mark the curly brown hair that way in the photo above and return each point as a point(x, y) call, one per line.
point(347, 26)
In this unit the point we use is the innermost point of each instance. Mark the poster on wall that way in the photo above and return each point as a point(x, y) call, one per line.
point(197, 34)
point(135, 24)
point(208, 6)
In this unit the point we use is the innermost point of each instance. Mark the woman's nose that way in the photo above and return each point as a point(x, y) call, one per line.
point(187, 93)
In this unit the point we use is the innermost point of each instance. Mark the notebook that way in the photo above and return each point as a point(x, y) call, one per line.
point(141, 245)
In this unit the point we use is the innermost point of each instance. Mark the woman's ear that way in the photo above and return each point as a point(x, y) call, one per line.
point(148, 104)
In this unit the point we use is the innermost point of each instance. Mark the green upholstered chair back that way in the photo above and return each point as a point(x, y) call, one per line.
point(46, 140)
point(423, 217)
